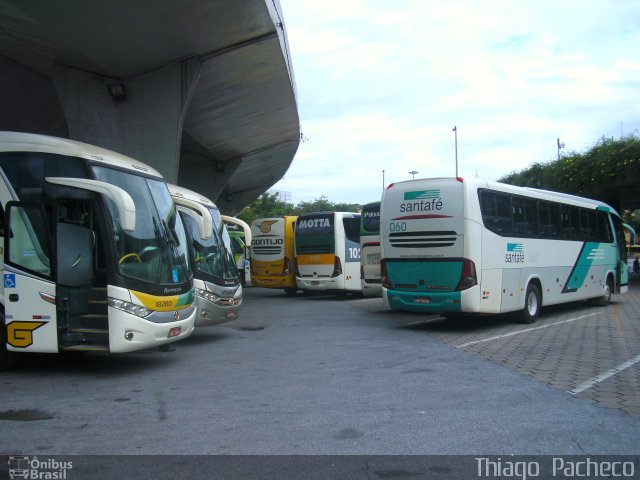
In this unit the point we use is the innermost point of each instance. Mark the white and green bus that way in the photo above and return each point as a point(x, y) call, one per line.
point(466, 245)
point(215, 276)
point(327, 246)
point(95, 254)
point(370, 250)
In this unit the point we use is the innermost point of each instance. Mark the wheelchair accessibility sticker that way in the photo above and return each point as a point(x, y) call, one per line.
point(9, 280)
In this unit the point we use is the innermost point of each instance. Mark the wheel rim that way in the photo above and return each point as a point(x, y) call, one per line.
point(532, 304)
point(607, 292)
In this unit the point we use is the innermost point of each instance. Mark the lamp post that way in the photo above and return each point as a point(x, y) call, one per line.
point(413, 174)
point(455, 132)
point(560, 145)
point(383, 180)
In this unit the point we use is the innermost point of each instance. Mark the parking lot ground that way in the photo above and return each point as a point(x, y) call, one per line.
point(322, 375)
point(592, 352)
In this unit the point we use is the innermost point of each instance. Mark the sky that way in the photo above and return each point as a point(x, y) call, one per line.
point(381, 84)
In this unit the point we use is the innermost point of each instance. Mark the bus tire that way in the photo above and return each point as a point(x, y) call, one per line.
point(291, 291)
point(607, 291)
point(532, 303)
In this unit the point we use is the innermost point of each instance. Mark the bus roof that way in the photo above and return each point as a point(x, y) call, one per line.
point(31, 142)
point(177, 191)
point(504, 187)
point(328, 213)
point(286, 218)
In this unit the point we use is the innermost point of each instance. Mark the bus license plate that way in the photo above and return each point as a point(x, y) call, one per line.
point(315, 282)
point(422, 300)
point(174, 332)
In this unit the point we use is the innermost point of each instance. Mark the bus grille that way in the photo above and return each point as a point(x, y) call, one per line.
point(302, 249)
point(267, 250)
point(423, 239)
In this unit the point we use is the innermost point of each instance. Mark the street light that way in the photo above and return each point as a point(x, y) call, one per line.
point(413, 174)
point(560, 145)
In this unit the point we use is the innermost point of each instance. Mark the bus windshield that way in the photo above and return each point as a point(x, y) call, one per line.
point(210, 256)
point(315, 234)
point(371, 218)
point(155, 251)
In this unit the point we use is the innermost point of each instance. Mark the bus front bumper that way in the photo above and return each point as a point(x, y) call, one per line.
point(320, 284)
point(214, 313)
point(274, 282)
point(128, 333)
point(370, 289)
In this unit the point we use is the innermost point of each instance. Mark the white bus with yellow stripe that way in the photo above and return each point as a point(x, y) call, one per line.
point(94, 251)
point(327, 248)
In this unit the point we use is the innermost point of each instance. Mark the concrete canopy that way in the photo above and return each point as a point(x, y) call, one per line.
point(208, 89)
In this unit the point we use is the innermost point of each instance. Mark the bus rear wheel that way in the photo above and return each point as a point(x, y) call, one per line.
point(532, 303)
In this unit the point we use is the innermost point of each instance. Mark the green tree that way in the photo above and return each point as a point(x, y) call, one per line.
point(266, 205)
point(609, 164)
point(321, 204)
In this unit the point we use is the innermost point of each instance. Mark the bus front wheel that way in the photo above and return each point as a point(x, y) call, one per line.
point(532, 303)
point(7, 360)
point(607, 291)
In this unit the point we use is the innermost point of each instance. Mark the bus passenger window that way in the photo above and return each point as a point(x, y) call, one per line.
point(496, 212)
point(544, 217)
point(570, 223)
point(603, 227)
point(352, 228)
point(554, 216)
point(520, 225)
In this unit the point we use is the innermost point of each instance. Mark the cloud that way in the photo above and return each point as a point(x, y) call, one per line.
point(381, 84)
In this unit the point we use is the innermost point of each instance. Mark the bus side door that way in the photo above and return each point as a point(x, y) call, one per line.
point(29, 290)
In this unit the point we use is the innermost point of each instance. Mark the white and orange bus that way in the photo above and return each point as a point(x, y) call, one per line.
point(327, 248)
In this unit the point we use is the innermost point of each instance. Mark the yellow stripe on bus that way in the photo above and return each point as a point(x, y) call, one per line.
point(316, 259)
point(165, 303)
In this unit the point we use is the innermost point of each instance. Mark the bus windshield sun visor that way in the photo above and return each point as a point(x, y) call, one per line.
point(122, 200)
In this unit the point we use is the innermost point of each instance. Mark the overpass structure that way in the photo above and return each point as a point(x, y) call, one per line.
point(202, 90)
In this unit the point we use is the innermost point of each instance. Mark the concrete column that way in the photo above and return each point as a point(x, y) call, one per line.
point(206, 175)
point(145, 124)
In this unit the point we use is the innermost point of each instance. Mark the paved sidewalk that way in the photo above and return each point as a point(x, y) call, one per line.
point(589, 351)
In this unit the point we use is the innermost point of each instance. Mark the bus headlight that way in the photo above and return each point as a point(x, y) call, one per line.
point(206, 295)
point(132, 308)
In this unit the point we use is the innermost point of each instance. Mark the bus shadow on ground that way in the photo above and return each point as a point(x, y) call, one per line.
point(92, 364)
point(204, 335)
point(317, 296)
point(464, 323)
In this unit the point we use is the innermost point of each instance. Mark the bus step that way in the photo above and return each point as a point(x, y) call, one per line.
point(86, 348)
point(90, 330)
point(98, 307)
point(94, 316)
